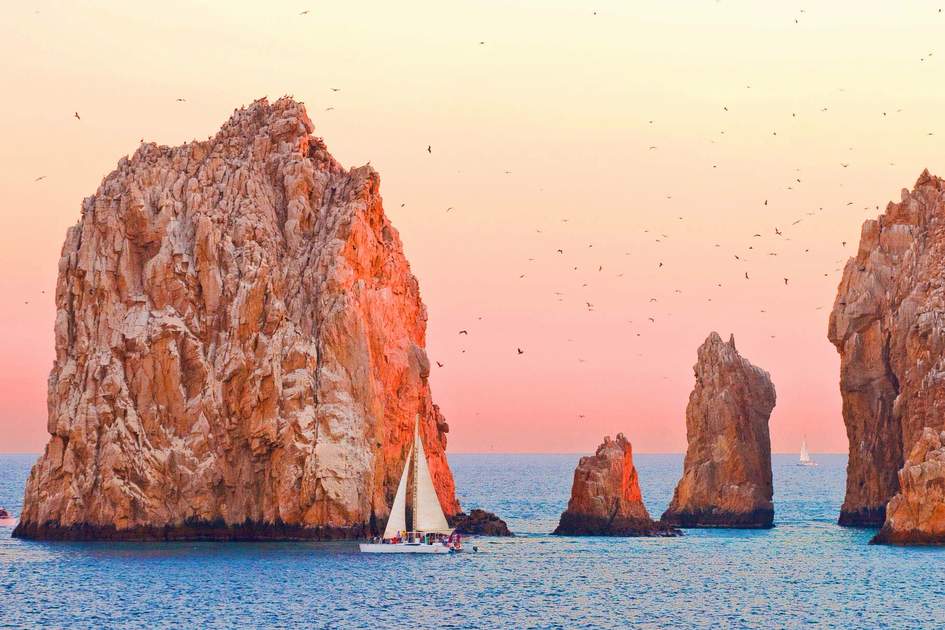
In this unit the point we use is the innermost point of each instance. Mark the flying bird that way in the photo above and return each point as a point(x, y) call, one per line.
point(77, 117)
point(39, 178)
point(464, 332)
point(520, 351)
point(429, 149)
point(438, 364)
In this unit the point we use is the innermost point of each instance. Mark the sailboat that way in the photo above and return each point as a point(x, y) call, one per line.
point(805, 459)
point(430, 533)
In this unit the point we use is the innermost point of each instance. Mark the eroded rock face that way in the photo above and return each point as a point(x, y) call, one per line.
point(605, 496)
point(916, 515)
point(888, 324)
point(726, 478)
point(239, 348)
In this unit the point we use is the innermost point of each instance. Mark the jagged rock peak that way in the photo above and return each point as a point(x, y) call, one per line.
point(239, 348)
point(888, 324)
point(605, 496)
point(726, 478)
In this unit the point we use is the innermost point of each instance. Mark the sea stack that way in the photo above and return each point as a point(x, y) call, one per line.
point(605, 496)
point(916, 515)
point(888, 324)
point(239, 348)
point(726, 478)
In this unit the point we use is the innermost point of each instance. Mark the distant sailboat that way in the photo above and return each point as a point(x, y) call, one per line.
point(805, 459)
point(431, 533)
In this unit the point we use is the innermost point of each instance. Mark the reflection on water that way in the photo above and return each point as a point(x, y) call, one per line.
point(804, 571)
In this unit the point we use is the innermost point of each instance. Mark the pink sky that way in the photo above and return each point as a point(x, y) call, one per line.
point(563, 99)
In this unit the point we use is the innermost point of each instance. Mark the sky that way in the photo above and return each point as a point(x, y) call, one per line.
point(626, 134)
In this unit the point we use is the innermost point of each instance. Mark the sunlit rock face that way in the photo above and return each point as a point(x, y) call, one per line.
point(605, 496)
point(888, 324)
point(916, 514)
point(726, 478)
point(239, 348)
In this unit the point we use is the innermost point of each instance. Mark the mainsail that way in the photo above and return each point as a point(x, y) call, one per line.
point(805, 456)
point(428, 515)
point(397, 522)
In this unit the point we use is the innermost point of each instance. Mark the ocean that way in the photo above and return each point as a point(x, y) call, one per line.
point(806, 572)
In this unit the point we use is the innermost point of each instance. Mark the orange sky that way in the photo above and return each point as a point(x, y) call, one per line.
point(570, 103)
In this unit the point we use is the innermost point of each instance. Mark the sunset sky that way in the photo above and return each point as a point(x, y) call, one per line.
point(607, 132)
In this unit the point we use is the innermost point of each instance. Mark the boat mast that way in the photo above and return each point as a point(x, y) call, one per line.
point(414, 485)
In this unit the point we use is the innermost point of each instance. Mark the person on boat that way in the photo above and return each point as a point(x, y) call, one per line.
point(4, 513)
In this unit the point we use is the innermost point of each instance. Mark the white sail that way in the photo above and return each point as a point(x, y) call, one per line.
point(805, 456)
point(397, 522)
point(428, 514)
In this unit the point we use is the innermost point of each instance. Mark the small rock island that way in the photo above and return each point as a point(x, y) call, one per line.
point(606, 498)
point(726, 478)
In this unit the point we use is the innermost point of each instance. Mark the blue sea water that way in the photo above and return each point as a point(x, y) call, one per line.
point(806, 572)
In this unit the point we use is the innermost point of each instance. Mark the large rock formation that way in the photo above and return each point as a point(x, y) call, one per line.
point(605, 496)
point(916, 515)
point(239, 348)
point(726, 478)
point(888, 324)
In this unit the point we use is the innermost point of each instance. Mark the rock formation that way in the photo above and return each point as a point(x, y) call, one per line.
point(239, 348)
point(605, 496)
point(916, 515)
point(480, 523)
point(726, 478)
point(888, 324)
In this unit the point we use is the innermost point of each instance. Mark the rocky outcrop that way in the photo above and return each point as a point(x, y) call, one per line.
point(888, 324)
point(726, 478)
point(239, 348)
point(916, 515)
point(605, 496)
point(479, 523)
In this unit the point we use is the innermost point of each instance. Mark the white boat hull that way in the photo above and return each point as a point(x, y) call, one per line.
point(403, 548)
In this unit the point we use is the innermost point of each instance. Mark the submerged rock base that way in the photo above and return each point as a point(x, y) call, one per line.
point(193, 531)
point(584, 525)
point(758, 519)
point(864, 517)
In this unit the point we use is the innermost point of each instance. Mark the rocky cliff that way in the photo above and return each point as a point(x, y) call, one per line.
point(888, 324)
point(605, 496)
point(726, 478)
point(916, 515)
point(239, 348)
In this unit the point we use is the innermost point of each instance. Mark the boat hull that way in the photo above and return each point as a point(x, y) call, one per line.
point(403, 548)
